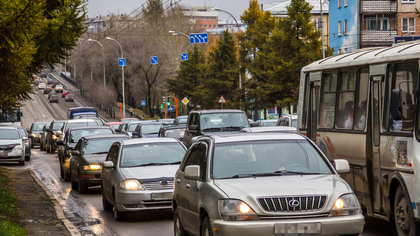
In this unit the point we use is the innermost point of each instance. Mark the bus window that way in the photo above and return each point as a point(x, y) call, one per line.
point(305, 101)
point(327, 108)
point(404, 72)
point(360, 121)
point(346, 93)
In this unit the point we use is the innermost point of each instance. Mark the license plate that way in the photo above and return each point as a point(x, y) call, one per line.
point(161, 196)
point(297, 229)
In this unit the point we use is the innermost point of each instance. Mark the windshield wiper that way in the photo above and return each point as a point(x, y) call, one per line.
point(212, 129)
point(99, 153)
point(256, 175)
point(297, 172)
point(233, 128)
point(150, 164)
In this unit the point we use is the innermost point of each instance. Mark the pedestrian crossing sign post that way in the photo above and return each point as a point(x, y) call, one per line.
point(222, 100)
point(143, 103)
point(170, 108)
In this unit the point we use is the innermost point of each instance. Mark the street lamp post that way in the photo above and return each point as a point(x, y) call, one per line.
point(122, 68)
point(103, 54)
point(322, 29)
point(175, 33)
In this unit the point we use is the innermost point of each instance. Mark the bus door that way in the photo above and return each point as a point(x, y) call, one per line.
point(314, 89)
point(373, 158)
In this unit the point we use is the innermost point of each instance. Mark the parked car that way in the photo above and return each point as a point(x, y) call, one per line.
point(206, 122)
point(59, 88)
point(53, 134)
point(47, 90)
point(261, 123)
point(172, 131)
point(43, 137)
point(240, 185)
point(113, 125)
point(69, 142)
point(287, 120)
point(87, 159)
point(69, 98)
point(34, 133)
point(12, 147)
point(147, 130)
point(138, 175)
point(181, 120)
point(64, 93)
point(41, 86)
point(53, 98)
point(26, 141)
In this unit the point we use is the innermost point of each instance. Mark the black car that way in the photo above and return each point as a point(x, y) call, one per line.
point(50, 81)
point(52, 135)
point(207, 122)
point(172, 131)
point(87, 158)
point(47, 90)
point(69, 98)
point(34, 132)
point(147, 130)
point(70, 140)
point(43, 136)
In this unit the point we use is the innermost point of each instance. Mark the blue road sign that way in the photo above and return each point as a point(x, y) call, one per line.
point(199, 38)
point(154, 60)
point(121, 61)
point(170, 108)
point(143, 103)
point(184, 56)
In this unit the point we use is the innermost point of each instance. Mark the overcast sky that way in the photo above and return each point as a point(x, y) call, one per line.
point(104, 7)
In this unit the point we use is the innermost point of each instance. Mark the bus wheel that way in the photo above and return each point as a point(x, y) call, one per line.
point(405, 223)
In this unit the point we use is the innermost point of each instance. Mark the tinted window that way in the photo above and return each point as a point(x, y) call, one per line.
point(222, 120)
point(75, 135)
point(151, 154)
point(198, 157)
point(150, 129)
point(9, 134)
point(99, 146)
point(243, 159)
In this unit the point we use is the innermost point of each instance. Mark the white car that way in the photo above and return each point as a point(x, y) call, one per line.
point(59, 88)
point(12, 147)
point(41, 86)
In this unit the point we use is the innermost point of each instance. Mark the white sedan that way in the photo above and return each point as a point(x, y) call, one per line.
point(41, 86)
point(59, 88)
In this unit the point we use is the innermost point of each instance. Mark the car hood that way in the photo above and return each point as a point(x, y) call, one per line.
point(150, 172)
point(94, 158)
point(295, 185)
point(5, 142)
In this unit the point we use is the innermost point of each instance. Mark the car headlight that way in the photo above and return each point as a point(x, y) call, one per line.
point(18, 148)
point(54, 136)
point(34, 135)
point(346, 205)
point(131, 184)
point(236, 210)
point(92, 167)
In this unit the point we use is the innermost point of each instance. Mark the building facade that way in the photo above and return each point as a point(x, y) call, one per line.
point(344, 21)
point(407, 19)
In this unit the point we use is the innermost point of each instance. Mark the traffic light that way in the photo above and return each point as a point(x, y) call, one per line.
point(168, 101)
point(161, 106)
point(163, 100)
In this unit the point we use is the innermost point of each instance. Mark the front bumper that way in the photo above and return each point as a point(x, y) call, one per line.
point(342, 225)
point(12, 156)
point(90, 177)
point(143, 200)
point(35, 140)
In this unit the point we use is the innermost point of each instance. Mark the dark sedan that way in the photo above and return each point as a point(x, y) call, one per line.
point(52, 135)
point(69, 142)
point(172, 131)
point(47, 90)
point(69, 98)
point(87, 158)
point(34, 132)
point(147, 130)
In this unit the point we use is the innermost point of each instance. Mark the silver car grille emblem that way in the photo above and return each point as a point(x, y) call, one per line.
point(164, 182)
point(294, 203)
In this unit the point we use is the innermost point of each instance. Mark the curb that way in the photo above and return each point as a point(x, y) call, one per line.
point(60, 214)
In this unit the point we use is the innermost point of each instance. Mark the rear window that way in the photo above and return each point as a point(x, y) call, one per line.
point(150, 129)
point(80, 124)
point(37, 126)
point(152, 154)
point(100, 146)
point(9, 134)
point(75, 135)
point(57, 126)
point(174, 133)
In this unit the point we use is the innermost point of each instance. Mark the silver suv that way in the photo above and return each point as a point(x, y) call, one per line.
point(262, 184)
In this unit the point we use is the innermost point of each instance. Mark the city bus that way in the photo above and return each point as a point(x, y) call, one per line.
point(81, 112)
point(12, 119)
point(363, 107)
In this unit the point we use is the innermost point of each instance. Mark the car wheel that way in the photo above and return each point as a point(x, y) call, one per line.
point(178, 228)
point(118, 215)
point(405, 223)
point(48, 149)
point(41, 147)
point(21, 163)
point(82, 187)
point(73, 183)
point(27, 158)
point(105, 204)
point(206, 229)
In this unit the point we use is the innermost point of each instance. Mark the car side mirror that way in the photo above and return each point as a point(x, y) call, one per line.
point(341, 166)
point(193, 127)
point(108, 164)
point(75, 153)
point(192, 172)
point(60, 142)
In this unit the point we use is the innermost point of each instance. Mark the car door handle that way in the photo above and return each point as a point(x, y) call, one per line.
point(178, 181)
point(187, 186)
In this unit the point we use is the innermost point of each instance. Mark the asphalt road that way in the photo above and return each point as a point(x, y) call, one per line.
point(85, 210)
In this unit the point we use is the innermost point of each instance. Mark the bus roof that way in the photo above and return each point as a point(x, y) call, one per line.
point(82, 109)
point(367, 56)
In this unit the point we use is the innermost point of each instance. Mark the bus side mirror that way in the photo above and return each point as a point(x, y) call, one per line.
point(407, 106)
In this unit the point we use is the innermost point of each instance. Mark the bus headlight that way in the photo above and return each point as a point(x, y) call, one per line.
point(131, 184)
point(346, 205)
point(92, 167)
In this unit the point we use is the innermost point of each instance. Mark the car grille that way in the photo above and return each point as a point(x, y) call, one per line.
point(291, 217)
point(302, 203)
point(157, 203)
point(159, 185)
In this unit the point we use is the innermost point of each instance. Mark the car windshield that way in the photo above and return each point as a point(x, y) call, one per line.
point(174, 133)
point(37, 126)
point(267, 158)
point(80, 124)
point(57, 126)
point(9, 134)
point(150, 129)
point(100, 145)
point(22, 131)
point(269, 123)
point(152, 154)
point(223, 121)
point(132, 127)
point(75, 135)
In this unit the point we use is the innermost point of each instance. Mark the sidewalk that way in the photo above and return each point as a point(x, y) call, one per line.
point(42, 214)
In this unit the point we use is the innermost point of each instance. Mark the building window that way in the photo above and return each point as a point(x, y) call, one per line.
point(205, 26)
point(316, 23)
point(408, 24)
point(380, 24)
point(339, 3)
point(214, 26)
point(345, 27)
point(408, 1)
point(339, 28)
point(210, 26)
point(345, 3)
